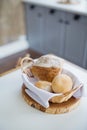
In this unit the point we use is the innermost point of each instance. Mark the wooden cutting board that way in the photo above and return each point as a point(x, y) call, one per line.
point(54, 108)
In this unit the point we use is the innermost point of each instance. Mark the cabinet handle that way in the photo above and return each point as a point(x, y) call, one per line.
point(52, 11)
point(67, 22)
point(77, 17)
point(32, 7)
point(61, 21)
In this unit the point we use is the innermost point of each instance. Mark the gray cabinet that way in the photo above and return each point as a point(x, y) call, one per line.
point(75, 38)
point(45, 29)
point(85, 56)
point(35, 26)
point(53, 31)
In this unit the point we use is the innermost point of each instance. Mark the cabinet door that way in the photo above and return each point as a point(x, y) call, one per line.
point(75, 39)
point(85, 56)
point(34, 26)
point(54, 31)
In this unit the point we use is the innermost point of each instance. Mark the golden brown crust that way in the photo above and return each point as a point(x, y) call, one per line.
point(44, 73)
point(54, 108)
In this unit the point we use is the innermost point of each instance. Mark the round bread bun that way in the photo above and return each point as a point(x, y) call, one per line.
point(62, 83)
point(45, 85)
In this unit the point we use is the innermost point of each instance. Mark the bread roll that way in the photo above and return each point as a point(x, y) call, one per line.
point(44, 85)
point(62, 83)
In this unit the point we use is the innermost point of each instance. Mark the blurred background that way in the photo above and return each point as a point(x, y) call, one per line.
point(11, 21)
point(51, 27)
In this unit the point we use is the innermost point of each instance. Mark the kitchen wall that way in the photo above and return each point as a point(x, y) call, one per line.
point(11, 20)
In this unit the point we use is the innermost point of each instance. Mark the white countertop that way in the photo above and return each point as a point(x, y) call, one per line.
point(80, 8)
point(16, 114)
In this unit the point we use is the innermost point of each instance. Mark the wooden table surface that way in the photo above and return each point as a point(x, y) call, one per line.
point(9, 63)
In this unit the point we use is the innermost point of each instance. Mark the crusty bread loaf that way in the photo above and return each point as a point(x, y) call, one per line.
point(62, 83)
point(46, 67)
point(43, 73)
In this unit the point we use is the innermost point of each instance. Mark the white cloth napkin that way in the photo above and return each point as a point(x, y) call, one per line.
point(43, 96)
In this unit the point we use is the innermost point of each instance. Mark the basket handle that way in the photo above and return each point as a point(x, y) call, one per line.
point(26, 62)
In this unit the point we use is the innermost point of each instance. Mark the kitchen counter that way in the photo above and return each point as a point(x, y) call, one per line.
point(80, 8)
point(16, 114)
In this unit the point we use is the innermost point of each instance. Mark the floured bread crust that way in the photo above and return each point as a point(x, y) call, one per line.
point(48, 61)
point(46, 67)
